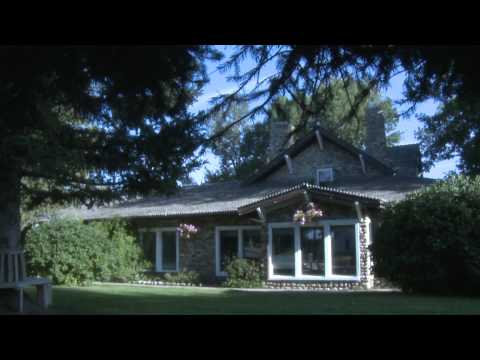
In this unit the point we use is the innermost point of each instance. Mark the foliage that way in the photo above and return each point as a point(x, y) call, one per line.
point(188, 277)
point(244, 273)
point(454, 130)
point(71, 252)
point(429, 242)
point(441, 73)
point(333, 115)
point(103, 122)
point(241, 150)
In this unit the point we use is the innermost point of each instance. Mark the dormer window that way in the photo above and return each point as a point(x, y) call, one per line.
point(324, 175)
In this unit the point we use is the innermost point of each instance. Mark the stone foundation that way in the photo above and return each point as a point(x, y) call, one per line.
point(314, 285)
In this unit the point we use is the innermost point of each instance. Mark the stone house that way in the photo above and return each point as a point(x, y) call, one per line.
point(254, 218)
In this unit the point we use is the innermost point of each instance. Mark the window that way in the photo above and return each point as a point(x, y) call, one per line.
point(283, 252)
point(169, 251)
point(228, 246)
point(324, 175)
point(313, 251)
point(148, 244)
point(236, 241)
point(343, 250)
point(252, 244)
point(161, 248)
point(327, 251)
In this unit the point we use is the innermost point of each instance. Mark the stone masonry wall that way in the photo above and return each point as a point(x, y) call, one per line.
point(198, 253)
point(306, 163)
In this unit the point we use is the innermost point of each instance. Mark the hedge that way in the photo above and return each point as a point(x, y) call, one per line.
point(430, 242)
point(71, 252)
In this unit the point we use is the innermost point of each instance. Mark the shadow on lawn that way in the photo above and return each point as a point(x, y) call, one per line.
point(138, 300)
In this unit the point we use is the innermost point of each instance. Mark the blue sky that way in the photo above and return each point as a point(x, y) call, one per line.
point(407, 126)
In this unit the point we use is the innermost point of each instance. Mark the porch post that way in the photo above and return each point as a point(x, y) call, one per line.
point(264, 241)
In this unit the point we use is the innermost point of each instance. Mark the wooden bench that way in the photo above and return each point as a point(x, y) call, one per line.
point(13, 276)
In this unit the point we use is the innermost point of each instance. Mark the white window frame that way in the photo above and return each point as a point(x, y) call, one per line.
point(326, 224)
point(159, 247)
point(331, 174)
point(239, 229)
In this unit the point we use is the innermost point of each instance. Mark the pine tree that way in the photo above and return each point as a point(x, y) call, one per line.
point(92, 124)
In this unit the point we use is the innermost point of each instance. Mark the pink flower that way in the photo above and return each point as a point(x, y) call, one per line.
point(187, 230)
point(311, 214)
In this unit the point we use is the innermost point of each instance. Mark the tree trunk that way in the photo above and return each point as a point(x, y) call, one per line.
point(10, 233)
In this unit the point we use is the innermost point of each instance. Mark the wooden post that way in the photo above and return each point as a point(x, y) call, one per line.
point(358, 210)
point(20, 300)
point(307, 197)
point(43, 295)
point(261, 215)
point(362, 162)
point(289, 164)
point(319, 139)
point(23, 273)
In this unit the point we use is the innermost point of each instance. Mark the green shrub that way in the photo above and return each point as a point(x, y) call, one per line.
point(430, 242)
point(189, 277)
point(71, 252)
point(244, 273)
point(122, 257)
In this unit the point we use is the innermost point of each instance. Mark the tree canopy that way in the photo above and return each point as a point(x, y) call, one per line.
point(454, 130)
point(95, 123)
point(334, 115)
point(243, 148)
point(442, 73)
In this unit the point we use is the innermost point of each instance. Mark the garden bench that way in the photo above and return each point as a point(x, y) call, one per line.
point(13, 276)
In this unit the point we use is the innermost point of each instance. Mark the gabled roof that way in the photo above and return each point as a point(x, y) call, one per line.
point(311, 188)
point(231, 197)
point(306, 141)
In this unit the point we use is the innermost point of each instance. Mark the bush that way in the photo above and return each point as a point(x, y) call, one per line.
point(244, 273)
point(71, 252)
point(430, 242)
point(188, 277)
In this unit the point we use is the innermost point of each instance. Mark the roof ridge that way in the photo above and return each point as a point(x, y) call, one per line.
point(278, 160)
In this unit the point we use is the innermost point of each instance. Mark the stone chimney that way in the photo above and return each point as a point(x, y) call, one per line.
point(376, 139)
point(278, 135)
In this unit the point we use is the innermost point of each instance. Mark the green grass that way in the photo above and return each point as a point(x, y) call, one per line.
point(108, 299)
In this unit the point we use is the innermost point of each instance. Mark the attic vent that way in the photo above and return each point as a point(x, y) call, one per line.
point(324, 175)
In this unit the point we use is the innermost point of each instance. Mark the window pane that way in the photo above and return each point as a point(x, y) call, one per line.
point(228, 247)
point(344, 257)
point(313, 258)
point(148, 244)
point(283, 250)
point(252, 247)
point(169, 251)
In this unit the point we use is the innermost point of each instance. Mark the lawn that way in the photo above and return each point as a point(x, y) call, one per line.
point(109, 299)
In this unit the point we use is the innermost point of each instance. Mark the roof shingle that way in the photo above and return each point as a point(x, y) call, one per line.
point(228, 197)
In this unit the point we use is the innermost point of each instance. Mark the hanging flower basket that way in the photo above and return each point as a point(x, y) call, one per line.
point(312, 213)
point(187, 231)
